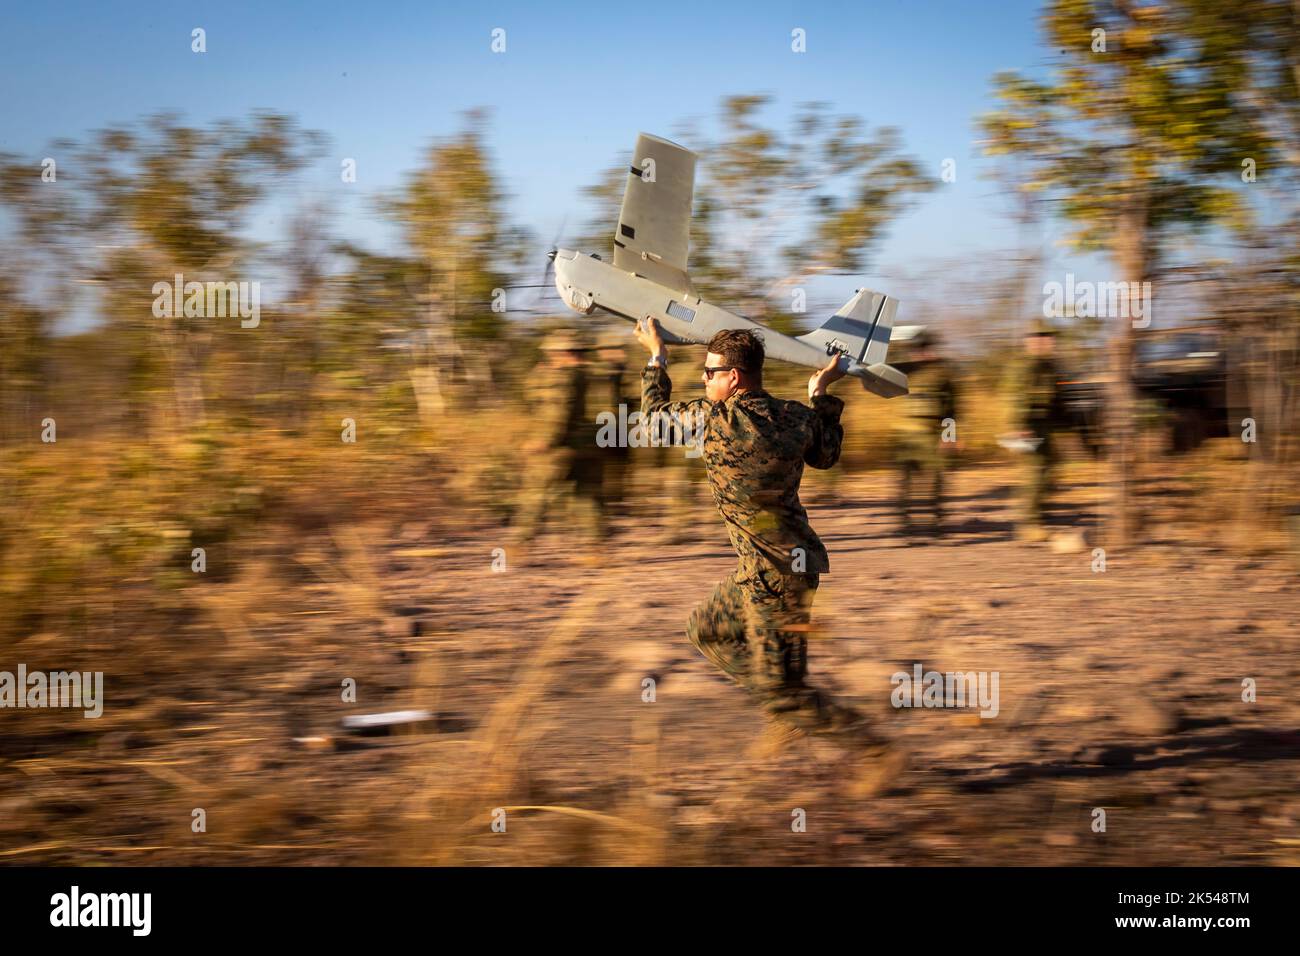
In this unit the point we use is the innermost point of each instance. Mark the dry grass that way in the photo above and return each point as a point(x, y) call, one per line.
point(329, 561)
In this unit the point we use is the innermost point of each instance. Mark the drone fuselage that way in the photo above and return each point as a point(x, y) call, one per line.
point(586, 283)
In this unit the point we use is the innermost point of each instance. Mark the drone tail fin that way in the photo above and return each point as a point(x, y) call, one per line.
point(860, 329)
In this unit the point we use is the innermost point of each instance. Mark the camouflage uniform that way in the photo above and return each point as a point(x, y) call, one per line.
point(1037, 408)
point(564, 476)
point(919, 450)
point(755, 624)
point(614, 460)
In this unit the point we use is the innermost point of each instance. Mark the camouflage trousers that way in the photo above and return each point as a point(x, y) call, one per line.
point(755, 629)
point(565, 491)
point(614, 481)
point(1037, 472)
point(920, 486)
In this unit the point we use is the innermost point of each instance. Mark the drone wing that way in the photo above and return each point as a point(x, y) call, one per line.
point(653, 233)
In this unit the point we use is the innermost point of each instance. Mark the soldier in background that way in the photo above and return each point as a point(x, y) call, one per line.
point(561, 465)
point(1037, 409)
point(610, 391)
point(927, 415)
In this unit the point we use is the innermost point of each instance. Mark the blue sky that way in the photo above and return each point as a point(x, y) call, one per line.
point(575, 85)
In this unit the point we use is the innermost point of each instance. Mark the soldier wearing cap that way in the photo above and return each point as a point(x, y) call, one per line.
point(561, 474)
point(1037, 409)
point(925, 434)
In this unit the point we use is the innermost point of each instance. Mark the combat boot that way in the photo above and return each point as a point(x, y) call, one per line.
point(874, 768)
point(776, 739)
point(871, 764)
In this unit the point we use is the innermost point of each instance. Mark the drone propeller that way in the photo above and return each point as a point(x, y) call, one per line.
point(548, 273)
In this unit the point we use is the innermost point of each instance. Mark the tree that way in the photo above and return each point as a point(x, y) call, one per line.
point(25, 331)
point(451, 214)
point(1139, 135)
point(138, 205)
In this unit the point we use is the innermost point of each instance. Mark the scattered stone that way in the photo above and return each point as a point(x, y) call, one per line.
point(647, 657)
point(1219, 805)
point(1107, 756)
point(411, 610)
point(697, 816)
point(246, 763)
point(1075, 708)
point(19, 813)
point(1142, 716)
point(396, 628)
point(1067, 542)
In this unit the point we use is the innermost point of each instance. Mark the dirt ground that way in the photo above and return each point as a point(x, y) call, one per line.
point(1119, 690)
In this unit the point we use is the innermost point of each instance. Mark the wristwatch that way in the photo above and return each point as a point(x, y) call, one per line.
point(657, 360)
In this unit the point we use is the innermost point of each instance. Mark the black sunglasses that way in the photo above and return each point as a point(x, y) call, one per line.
point(708, 372)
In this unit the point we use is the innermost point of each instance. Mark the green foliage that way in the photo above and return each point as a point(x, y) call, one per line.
point(451, 214)
point(1148, 133)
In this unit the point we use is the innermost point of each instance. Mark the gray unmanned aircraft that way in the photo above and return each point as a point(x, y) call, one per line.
point(648, 278)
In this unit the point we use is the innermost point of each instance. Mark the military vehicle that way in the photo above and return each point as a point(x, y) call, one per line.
point(1183, 370)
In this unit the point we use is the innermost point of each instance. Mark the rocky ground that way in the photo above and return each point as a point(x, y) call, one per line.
point(1120, 698)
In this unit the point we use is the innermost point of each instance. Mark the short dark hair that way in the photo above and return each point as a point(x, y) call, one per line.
point(742, 348)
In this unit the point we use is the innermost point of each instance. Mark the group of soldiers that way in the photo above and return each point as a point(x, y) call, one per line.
point(926, 434)
point(576, 483)
point(572, 480)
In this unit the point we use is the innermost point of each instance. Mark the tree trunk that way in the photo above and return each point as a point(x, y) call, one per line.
point(1130, 253)
point(428, 394)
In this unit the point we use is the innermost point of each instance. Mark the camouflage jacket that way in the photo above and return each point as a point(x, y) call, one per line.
point(755, 447)
point(930, 399)
point(1037, 401)
point(606, 394)
point(560, 399)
